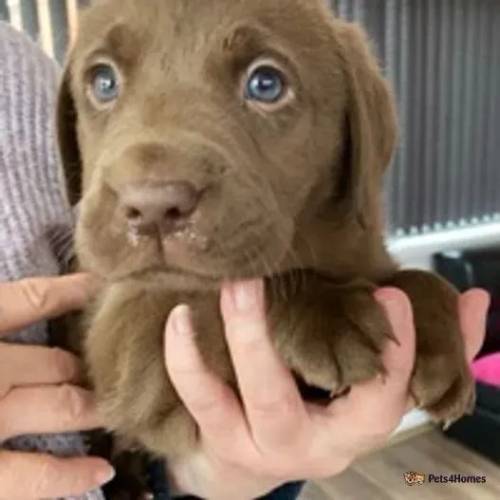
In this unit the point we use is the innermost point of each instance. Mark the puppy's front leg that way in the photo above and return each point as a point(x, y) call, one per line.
point(331, 335)
point(442, 382)
point(125, 358)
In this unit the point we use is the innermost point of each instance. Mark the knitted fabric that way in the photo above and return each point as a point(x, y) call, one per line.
point(35, 218)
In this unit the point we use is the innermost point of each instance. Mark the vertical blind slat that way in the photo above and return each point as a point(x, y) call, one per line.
point(4, 11)
point(480, 92)
point(494, 125)
point(441, 190)
point(29, 18)
point(391, 67)
point(469, 76)
point(430, 132)
point(59, 20)
point(402, 164)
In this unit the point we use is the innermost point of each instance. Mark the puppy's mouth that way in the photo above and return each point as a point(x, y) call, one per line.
point(187, 251)
point(177, 246)
point(185, 255)
point(183, 239)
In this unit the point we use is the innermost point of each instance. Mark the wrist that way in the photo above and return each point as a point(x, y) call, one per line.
point(205, 478)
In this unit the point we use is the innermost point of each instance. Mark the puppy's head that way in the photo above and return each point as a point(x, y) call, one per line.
point(220, 139)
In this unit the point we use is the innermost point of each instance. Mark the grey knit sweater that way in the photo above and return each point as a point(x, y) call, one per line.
point(35, 218)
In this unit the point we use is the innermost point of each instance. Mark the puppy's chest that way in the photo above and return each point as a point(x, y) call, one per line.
point(132, 320)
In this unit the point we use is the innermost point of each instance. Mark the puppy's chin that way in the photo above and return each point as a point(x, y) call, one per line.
point(201, 273)
point(186, 264)
point(175, 279)
point(188, 280)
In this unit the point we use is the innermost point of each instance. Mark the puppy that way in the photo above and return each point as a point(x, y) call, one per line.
point(225, 140)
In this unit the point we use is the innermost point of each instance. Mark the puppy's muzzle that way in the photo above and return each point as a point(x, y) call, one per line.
point(166, 207)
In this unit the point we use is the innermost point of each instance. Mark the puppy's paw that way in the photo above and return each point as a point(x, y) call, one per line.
point(336, 340)
point(442, 383)
point(443, 386)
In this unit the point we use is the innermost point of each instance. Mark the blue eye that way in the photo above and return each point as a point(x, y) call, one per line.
point(105, 86)
point(266, 84)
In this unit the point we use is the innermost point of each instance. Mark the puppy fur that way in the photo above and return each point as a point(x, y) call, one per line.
point(289, 192)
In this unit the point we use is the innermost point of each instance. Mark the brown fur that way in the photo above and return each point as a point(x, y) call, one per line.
point(291, 194)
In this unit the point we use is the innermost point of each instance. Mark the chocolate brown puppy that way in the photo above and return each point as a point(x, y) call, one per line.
point(225, 139)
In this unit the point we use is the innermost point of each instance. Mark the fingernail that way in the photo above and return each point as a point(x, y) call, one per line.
point(391, 300)
point(486, 300)
point(86, 285)
point(105, 475)
point(182, 320)
point(245, 295)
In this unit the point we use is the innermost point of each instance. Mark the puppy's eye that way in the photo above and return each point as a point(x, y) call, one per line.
point(105, 86)
point(265, 84)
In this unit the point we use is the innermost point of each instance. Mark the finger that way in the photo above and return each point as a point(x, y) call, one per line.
point(210, 401)
point(27, 475)
point(30, 300)
point(275, 410)
point(473, 307)
point(47, 409)
point(33, 365)
point(378, 406)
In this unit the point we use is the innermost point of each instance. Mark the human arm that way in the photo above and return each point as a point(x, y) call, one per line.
point(275, 437)
point(39, 393)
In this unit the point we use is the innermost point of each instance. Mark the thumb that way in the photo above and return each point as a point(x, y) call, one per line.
point(473, 307)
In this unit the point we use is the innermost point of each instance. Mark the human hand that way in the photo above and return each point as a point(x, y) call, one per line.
point(38, 393)
point(275, 437)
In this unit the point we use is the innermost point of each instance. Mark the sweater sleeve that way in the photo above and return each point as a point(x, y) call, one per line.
point(35, 217)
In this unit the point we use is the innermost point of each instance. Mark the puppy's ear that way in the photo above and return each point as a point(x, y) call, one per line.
point(69, 149)
point(372, 123)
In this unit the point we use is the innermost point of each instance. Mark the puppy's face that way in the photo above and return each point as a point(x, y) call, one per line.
point(210, 140)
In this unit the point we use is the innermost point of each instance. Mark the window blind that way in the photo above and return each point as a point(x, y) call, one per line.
point(443, 58)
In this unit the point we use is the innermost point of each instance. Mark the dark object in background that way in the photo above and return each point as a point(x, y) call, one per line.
point(469, 269)
point(481, 430)
point(477, 268)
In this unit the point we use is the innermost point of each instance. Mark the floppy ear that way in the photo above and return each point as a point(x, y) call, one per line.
point(69, 149)
point(372, 123)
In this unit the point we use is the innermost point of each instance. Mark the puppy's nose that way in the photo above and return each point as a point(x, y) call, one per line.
point(165, 206)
